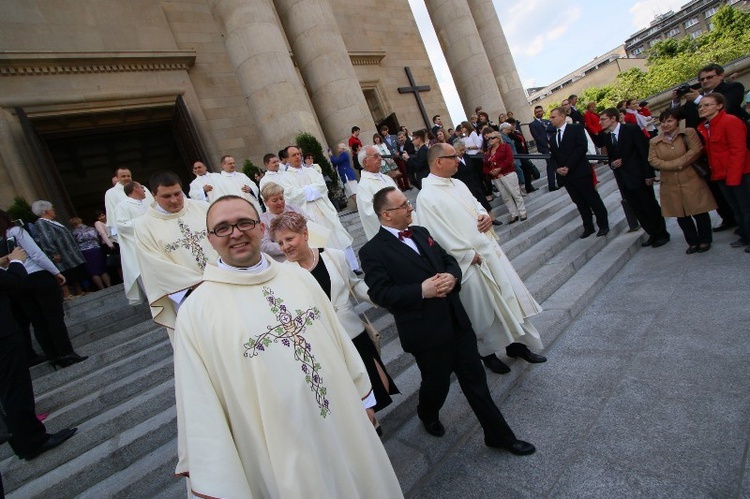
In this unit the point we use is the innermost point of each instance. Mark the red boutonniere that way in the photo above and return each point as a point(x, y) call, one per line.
point(430, 241)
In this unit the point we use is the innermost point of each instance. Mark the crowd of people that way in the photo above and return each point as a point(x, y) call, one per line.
point(255, 280)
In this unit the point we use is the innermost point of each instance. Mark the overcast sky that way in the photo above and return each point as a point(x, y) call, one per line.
point(549, 39)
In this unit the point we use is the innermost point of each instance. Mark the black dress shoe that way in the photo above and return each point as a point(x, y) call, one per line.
point(552, 189)
point(528, 356)
point(53, 441)
point(739, 243)
point(702, 248)
point(435, 428)
point(531, 189)
point(648, 242)
point(602, 232)
point(497, 223)
point(633, 229)
point(691, 250)
point(495, 365)
point(586, 233)
point(68, 360)
point(724, 226)
point(660, 242)
point(518, 448)
point(513, 220)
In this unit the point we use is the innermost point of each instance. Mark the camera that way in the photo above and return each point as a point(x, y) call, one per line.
point(683, 89)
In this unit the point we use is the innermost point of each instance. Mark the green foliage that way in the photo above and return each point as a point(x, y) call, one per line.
point(249, 169)
point(310, 145)
point(21, 210)
point(671, 62)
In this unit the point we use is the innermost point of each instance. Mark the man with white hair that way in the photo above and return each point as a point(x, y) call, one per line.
point(370, 182)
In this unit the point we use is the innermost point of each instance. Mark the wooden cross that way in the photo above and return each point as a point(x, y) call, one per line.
point(414, 89)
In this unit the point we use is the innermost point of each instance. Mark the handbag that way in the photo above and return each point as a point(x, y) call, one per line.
point(369, 328)
point(700, 165)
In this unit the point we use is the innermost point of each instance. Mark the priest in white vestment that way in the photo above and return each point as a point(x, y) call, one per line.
point(201, 184)
point(272, 174)
point(126, 212)
point(306, 188)
point(370, 182)
point(497, 301)
point(232, 182)
point(270, 391)
point(115, 195)
point(172, 247)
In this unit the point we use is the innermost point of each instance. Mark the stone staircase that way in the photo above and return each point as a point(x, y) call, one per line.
point(122, 397)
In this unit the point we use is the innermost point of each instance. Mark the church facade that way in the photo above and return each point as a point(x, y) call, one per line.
point(152, 84)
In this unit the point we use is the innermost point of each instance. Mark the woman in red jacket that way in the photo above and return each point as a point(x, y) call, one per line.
point(725, 138)
point(499, 165)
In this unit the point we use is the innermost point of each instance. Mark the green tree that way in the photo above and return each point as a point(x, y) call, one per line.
point(249, 169)
point(310, 145)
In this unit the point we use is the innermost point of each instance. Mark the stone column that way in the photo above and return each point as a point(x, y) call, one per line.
point(272, 88)
point(465, 54)
point(323, 61)
point(17, 176)
point(501, 60)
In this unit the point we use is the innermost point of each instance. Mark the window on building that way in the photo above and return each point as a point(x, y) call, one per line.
point(710, 12)
point(653, 42)
point(696, 33)
point(673, 32)
point(691, 22)
point(636, 51)
point(710, 26)
point(732, 2)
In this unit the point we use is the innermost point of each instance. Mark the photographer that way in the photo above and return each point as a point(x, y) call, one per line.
point(711, 79)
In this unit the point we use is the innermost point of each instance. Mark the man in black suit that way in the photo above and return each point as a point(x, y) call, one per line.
point(418, 282)
point(570, 107)
point(627, 149)
point(539, 130)
point(416, 164)
point(711, 79)
point(29, 436)
point(568, 147)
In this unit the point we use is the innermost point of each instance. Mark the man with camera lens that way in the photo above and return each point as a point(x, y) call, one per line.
point(711, 79)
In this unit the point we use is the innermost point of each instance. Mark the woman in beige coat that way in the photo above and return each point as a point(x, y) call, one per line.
point(684, 194)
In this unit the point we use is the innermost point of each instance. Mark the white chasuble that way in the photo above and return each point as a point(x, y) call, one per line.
point(226, 183)
point(125, 214)
point(306, 188)
point(269, 392)
point(196, 191)
point(173, 251)
point(369, 184)
point(496, 300)
point(115, 196)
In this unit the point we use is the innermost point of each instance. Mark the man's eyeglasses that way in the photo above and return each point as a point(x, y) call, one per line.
point(404, 206)
point(225, 230)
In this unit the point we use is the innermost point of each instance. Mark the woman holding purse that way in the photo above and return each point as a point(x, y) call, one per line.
point(683, 193)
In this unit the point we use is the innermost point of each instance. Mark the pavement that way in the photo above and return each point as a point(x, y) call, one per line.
point(646, 394)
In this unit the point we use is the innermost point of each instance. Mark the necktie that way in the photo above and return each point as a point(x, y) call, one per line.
point(614, 139)
point(404, 233)
point(559, 137)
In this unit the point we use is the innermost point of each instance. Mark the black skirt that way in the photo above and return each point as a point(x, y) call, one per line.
point(370, 357)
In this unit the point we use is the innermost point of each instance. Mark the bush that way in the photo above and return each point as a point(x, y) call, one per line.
point(249, 169)
point(310, 145)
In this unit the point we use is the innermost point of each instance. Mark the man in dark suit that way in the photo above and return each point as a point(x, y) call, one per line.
point(711, 79)
point(570, 107)
point(568, 147)
point(539, 130)
point(29, 436)
point(416, 164)
point(627, 149)
point(418, 282)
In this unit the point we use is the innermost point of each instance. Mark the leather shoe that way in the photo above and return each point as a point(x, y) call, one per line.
point(435, 428)
point(660, 242)
point(602, 232)
point(531, 189)
point(586, 233)
point(528, 356)
point(497, 223)
point(724, 226)
point(552, 189)
point(702, 248)
point(495, 365)
point(53, 441)
point(513, 220)
point(633, 229)
point(70, 359)
point(518, 448)
point(648, 242)
point(691, 250)
point(739, 243)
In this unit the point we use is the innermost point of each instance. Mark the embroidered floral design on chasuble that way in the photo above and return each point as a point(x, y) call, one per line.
point(288, 332)
point(190, 241)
